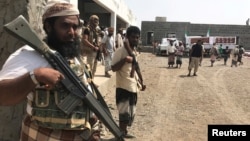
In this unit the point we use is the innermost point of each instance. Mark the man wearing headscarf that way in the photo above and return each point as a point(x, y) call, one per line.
point(91, 39)
point(235, 55)
point(26, 75)
point(108, 46)
point(214, 53)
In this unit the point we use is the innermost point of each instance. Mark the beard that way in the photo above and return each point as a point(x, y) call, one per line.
point(133, 44)
point(68, 49)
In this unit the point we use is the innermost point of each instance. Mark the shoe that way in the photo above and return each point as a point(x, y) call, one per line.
point(128, 136)
point(195, 74)
point(188, 75)
point(107, 74)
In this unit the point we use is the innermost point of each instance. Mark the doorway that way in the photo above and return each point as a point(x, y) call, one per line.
point(150, 37)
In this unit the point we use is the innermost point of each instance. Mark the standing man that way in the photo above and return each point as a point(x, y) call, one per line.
point(108, 47)
point(235, 55)
point(179, 54)
point(213, 54)
point(195, 56)
point(127, 79)
point(119, 38)
point(155, 45)
point(220, 50)
point(92, 39)
point(171, 50)
point(241, 53)
point(26, 75)
point(203, 51)
point(226, 55)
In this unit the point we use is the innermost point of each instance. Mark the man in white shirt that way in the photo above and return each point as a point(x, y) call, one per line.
point(108, 45)
point(171, 49)
point(119, 38)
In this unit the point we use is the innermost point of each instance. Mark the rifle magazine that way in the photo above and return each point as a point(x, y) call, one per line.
point(69, 103)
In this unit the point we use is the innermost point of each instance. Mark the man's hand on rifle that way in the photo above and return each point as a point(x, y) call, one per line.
point(48, 77)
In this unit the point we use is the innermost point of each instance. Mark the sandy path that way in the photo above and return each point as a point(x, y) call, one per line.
point(179, 108)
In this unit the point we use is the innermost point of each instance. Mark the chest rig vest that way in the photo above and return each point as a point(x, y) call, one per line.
point(45, 112)
point(94, 38)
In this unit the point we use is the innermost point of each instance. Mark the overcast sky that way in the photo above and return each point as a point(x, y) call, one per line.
point(234, 12)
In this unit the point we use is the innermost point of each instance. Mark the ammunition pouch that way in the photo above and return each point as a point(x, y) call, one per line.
point(46, 113)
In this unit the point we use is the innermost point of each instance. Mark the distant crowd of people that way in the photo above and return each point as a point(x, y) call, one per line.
point(176, 51)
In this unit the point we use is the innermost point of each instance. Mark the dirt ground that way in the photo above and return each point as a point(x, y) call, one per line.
point(175, 107)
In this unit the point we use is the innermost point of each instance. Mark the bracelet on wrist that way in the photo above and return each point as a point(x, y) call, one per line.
point(33, 78)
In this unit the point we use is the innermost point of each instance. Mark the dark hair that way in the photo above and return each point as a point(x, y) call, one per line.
point(131, 30)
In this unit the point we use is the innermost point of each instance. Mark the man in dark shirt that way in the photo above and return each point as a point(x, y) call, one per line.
point(195, 56)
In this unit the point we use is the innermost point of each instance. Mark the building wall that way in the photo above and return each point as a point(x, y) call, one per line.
point(113, 13)
point(120, 8)
point(11, 116)
point(11, 9)
point(88, 9)
point(161, 29)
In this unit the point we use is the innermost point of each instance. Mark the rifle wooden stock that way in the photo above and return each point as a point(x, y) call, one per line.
point(20, 29)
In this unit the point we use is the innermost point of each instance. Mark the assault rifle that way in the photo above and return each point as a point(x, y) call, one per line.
point(20, 29)
point(98, 54)
point(135, 66)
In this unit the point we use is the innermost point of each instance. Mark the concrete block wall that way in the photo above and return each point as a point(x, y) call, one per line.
point(10, 9)
point(161, 29)
point(11, 116)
